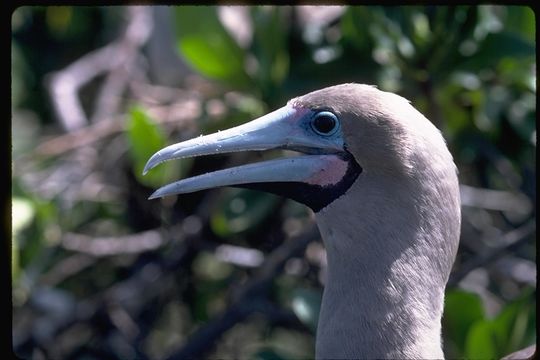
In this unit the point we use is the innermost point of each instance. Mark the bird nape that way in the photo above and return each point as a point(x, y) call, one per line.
point(385, 193)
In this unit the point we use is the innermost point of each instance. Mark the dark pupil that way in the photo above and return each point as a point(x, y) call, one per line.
point(324, 123)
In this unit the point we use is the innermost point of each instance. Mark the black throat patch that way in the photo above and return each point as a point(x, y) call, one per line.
point(316, 197)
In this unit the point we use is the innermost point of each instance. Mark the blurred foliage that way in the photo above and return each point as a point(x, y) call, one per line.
point(208, 47)
point(240, 211)
point(306, 304)
point(472, 335)
point(469, 69)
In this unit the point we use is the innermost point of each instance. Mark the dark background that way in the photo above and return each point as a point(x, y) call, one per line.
point(100, 272)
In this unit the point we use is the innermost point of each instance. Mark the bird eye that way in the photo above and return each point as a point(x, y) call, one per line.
point(325, 123)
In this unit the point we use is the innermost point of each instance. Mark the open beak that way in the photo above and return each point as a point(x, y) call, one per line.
point(285, 128)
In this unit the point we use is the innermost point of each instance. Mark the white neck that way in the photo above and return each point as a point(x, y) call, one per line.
point(388, 264)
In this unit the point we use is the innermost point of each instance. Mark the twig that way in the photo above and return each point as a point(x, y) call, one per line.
point(64, 85)
point(108, 246)
point(239, 255)
point(136, 35)
point(511, 240)
point(68, 267)
point(495, 199)
point(95, 132)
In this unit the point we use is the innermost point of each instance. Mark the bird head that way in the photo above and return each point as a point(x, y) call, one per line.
point(342, 131)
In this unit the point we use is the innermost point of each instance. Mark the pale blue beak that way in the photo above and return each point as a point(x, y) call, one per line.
point(285, 128)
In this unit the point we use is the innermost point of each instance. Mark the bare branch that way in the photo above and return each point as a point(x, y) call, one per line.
point(108, 246)
point(95, 132)
point(238, 255)
point(65, 84)
point(495, 199)
point(137, 33)
point(511, 240)
point(66, 268)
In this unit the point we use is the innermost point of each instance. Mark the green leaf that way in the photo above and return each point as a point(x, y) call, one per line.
point(35, 226)
point(145, 138)
point(354, 23)
point(481, 342)
point(461, 311)
point(496, 47)
point(521, 20)
point(270, 48)
point(23, 213)
point(512, 327)
point(506, 44)
point(207, 46)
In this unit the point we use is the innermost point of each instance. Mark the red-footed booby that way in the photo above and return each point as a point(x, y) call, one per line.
point(385, 193)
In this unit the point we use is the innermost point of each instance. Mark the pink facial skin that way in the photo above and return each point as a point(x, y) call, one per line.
point(331, 172)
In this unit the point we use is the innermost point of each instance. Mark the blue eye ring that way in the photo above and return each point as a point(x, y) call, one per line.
point(325, 123)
